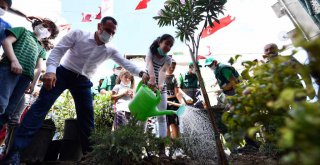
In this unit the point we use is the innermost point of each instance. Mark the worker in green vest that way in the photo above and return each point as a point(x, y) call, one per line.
point(226, 76)
point(109, 83)
point(189, 82)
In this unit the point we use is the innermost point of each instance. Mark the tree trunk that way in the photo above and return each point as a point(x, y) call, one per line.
point(222, 160)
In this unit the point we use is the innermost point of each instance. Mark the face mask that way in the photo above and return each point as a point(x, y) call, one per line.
point(128, 85)
point(193, 71)
point(117, 72)
point(160, 51)
point(105, 37)
point(2, 12)
point(213, 67)
point(41, 32)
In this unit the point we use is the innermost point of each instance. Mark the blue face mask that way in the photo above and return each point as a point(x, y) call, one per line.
point(160, 51)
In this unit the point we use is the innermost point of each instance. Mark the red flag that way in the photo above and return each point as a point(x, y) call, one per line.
point(223, 23)
point(143, 4)
point(98, 16)
point(65, 27)
point(200, 57)
point(209, 50)
point(86, 17)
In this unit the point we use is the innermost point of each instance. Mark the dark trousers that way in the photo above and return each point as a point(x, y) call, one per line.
point(80, 89)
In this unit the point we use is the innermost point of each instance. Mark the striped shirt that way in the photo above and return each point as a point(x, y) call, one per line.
point(27, 50)
point(158, 66)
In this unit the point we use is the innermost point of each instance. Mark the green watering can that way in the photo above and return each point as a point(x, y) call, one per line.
point(144, 104)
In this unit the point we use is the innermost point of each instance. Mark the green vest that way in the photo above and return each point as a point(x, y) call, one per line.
point(219, 74)
point(189, 81)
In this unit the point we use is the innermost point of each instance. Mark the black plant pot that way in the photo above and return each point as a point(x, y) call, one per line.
point(53, 150)
point(70, 149)
point(71, 130)
point(37, 150)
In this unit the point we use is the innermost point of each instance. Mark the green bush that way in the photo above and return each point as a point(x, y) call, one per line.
point(129, 144)
point(263, 102)
point(300, 137)
point(103, 111)
point(64, 108)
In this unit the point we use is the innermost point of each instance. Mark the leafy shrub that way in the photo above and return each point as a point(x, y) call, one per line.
point(257, 107)
point(129, 144)
point(300, 137)
point(103, 111)
point(62, 109)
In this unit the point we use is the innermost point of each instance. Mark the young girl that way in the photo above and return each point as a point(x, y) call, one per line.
point(122, 94)
point(175, 100)
point(157, 64)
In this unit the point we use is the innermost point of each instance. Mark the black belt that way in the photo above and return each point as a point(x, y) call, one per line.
point(77, 75)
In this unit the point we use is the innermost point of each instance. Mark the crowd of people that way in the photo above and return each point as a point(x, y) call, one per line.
point(22, 63)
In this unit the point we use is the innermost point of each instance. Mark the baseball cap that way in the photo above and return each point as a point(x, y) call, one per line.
point(116, 66)
point(209, 61)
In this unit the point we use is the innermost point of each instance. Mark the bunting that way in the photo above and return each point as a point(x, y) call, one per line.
point(65, 27)
point(216, 26)
point(143, 4)
point(98, 16)
point(86, 17)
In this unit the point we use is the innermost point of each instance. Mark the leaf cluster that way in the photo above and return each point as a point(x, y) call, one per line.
point(263, 100)
point(186, 17)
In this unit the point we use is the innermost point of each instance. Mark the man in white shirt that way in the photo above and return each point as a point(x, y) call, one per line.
point(86, 52)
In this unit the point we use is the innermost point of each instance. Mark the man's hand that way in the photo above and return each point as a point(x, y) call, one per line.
point(218, 92)
point(49, 80)
point(16, 67)
point(30, 88)
point(145, 78)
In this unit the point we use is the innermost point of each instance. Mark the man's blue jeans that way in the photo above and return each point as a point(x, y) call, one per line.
point(12, 87)
point(80, 89)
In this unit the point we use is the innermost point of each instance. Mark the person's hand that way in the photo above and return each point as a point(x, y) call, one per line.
point(218, 92)
point(145, 78)
point(130, 92)
point(29, 89)
point(153, 87)
point(49, 80)
point(16, 67)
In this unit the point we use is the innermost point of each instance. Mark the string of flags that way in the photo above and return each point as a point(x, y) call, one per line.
point(217, 26)
point(143, 4)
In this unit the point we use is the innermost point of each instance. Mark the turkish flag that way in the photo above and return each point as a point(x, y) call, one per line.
point(98, 16)
point(216, 26)
point(143, 4)
point(86, 17)
point(200, 57)
point(65, 27)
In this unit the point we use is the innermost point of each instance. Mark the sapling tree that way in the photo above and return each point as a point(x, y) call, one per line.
point(191, 17)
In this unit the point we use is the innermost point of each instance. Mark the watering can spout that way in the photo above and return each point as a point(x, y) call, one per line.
point(163, 112)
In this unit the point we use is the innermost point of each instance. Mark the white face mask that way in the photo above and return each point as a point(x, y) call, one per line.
point(126, 85)
point(41, 32)
point(117, 72)
point(105, 37)
point(213, 67)
point(2, 12)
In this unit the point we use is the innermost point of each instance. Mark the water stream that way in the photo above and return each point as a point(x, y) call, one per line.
point(197, 134)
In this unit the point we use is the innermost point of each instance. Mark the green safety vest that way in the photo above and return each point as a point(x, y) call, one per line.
point(220, 77)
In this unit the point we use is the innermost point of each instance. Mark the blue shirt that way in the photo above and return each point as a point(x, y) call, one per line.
point(3, 26)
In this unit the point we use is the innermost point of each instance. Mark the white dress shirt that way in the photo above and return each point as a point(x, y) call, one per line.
point(84, 55)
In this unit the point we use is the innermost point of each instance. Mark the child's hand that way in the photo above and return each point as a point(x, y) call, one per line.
point(130, 92)
point(16, 67)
